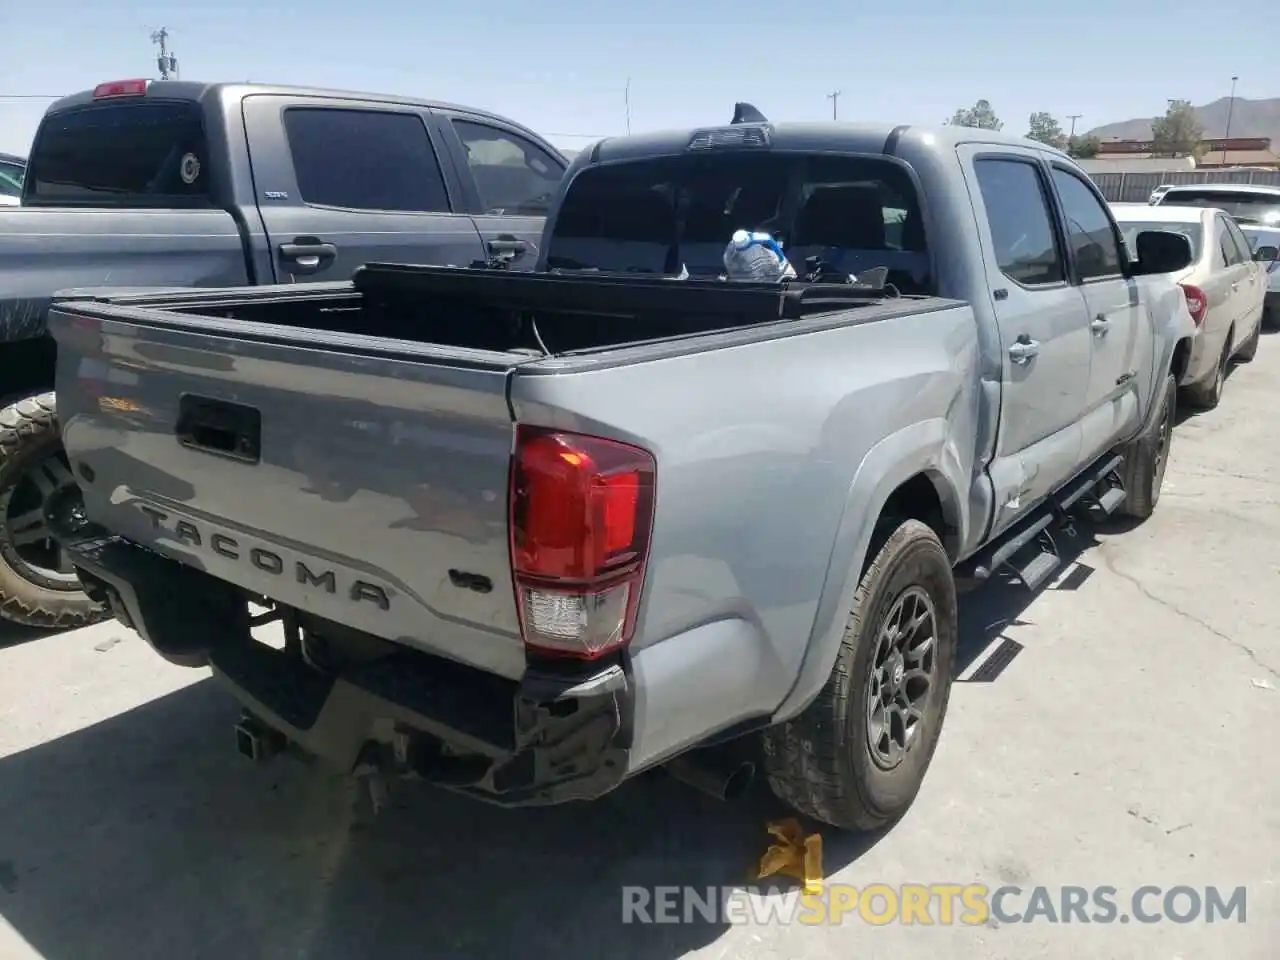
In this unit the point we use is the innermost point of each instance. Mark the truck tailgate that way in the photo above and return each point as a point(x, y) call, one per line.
point(359, 479)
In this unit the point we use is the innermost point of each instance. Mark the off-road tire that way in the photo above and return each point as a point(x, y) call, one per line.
point(28, 434)
point(1146, 457)
point(1206, 396)
point(820, 763)
point(1249, 349)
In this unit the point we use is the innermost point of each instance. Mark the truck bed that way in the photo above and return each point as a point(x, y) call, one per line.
point(344, 449)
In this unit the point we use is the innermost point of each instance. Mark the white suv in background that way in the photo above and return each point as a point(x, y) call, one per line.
point(1244, 201)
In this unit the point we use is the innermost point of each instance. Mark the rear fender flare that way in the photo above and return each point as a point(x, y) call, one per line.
point(921, 448)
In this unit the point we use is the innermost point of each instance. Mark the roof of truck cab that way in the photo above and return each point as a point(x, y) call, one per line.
point(815, 136)
point(233, 92)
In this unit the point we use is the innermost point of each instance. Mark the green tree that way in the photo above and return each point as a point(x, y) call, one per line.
point(1083, 146)
point(980, 115)
point(1045, 127)
point(1177, 133)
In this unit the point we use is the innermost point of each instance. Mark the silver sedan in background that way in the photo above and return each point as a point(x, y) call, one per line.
point(1223, 285)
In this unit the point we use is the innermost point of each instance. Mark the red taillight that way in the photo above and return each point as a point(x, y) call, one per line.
point(1196, 302)
point(120, 88)
point(581, 513)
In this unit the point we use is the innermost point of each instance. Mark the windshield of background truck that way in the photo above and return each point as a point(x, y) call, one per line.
point(1262, 207)
point(1192, 231)
point(143, 153)
point(9, 187)
point(672, 213)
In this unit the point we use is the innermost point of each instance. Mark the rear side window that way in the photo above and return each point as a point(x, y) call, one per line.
point(1241, 242)
point(659, 216)
point(143, 153)
point(1026, 247)
point(365, 160)
point(1230, 253)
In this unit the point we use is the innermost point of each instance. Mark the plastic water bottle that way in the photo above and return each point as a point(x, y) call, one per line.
point(756, 256)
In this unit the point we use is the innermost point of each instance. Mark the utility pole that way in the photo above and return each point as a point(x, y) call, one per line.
point(1231, 106)
point(166, 61)
point(626, 97)
point(1073, 117)
point(834, 97)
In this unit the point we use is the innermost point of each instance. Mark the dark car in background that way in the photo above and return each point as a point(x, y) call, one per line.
point(12, 170)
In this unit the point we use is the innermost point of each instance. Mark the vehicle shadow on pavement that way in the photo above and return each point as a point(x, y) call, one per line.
point(147, 836)
point(12, 635)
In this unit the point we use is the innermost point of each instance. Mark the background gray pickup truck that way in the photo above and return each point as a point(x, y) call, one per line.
point(531, 533)
point(176, 184)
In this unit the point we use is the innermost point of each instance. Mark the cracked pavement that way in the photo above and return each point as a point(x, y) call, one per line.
point(1132, 740)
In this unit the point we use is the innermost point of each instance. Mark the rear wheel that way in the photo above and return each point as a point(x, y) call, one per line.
point(1147, 456)
point(38, 587)
point(1207, 395)
point(856, 757)
point(1249, 349)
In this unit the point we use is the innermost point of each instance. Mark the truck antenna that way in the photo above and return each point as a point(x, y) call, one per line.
point(746, 113)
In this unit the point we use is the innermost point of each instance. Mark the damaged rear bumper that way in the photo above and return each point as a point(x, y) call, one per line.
point(548, 738)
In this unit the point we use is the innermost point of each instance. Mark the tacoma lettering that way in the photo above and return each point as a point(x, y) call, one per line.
point(269, 562)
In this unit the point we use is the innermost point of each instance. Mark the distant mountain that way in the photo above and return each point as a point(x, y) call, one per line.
point(1249, 118)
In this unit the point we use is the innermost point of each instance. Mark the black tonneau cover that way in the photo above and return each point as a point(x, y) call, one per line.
point(621, 294)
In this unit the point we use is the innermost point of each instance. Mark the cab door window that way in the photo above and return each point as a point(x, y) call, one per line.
point(512, 174)
point(1090, 230)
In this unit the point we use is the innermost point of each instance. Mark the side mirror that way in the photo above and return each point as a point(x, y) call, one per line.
point(1266, 254)
point(1161, 251)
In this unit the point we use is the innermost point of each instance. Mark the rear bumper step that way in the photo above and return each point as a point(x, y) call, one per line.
point(548, 738)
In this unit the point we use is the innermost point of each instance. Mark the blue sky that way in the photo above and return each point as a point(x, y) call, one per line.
point(562, 66)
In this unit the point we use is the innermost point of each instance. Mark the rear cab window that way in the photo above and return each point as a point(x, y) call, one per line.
point(668, 214)
point(1194, 232)
point(139, 153)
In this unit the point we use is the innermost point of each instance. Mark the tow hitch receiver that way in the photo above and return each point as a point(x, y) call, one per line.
point(256, 740)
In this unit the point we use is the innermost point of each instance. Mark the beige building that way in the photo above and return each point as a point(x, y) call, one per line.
point(1218, 152)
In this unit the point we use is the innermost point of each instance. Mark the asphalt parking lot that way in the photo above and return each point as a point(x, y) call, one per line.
point(1133, 740)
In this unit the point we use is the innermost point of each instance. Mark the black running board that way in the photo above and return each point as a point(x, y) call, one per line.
point(1028, 548)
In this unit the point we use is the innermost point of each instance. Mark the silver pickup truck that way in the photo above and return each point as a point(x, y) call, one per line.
point(167, 183)
point(531, 533)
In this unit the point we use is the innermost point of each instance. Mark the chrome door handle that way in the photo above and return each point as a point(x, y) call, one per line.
point(1099, 325)
point(1235, 284)
point(1023, 349)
